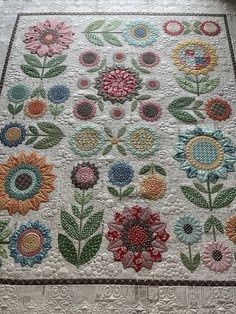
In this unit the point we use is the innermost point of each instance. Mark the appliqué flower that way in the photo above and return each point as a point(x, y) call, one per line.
point(35, 108)
point(142, 140)
point(194, 57)
point(85, 176)
point(218, 109)
point(149, 59)
point(205, 154)
point(137, 237)
point(173, 28)
point(117, 113)
point(13, 134)
point(152, 84)
point(118, 84)
point(120, 174)
point(87, 140)
point(153, 187)
point(83, 83)
point(84, 110)
point(230, 229)
point(140, 33)
point(25, 181)
point(48, 38)
point(89, 58)
point(18, 93)
point(150, 111)
point(30, 243)
point(210, 28)
point(58, 94)
point(188, 230)
point(216, 256)
point(119, 57)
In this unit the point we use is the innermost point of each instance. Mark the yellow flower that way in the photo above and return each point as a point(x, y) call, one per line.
point(153, 187)
point(194, 57)
point(230, 229)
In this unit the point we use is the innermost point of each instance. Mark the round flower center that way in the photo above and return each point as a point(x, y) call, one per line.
point(150, 110)
point(30, 242)
point(210, 27)
point(149, 58)
point(139, 31)
point(195, 57)
point(217, 255)
point(188, 229)
point(23, 181)
point(218, 109)
point(85, 109)
point(142, 139)
point(114, 140)
point(173, 27)
point(85, 175)
point(87, 139)
point(89, 58)
point(13, 134)
point(49, 36)
point(137, 235)
point(204, 153)
point(36, 107)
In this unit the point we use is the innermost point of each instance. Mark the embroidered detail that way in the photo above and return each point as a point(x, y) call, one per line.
point(210, 28)
point(13, 134)
point(216, 256)
point(149, 59)
point(83, 83)
point(149, 111)
point(152, 84)
point(89, 58)
point(173, 28)
point(4, 234)
point(137, 237)
point(153, 187)
point(230, 229)
point(119, 56)
point(140, 33)
point(117, 113)
point(25, 181)
point(84, 176)
point(35, 108)
point(142, 140)
point(115, 140)
point(17, 95)
point(87, 140)
point(30, 243)
point(218, 109)
point(84, 110)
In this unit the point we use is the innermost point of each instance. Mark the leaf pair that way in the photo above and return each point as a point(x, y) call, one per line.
point(147, 168)
point(213, 221)
point(128, 191)
point(198, 87)
point(193, 264)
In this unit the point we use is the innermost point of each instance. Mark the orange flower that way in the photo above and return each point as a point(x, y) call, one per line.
point(153, 187)
point(25, 182)
point(230, 229)
point(218, 109)
point(35, 108)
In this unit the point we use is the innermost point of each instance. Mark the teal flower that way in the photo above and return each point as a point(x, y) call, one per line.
point(142, 140)
point(188, 230)
point(205, 154)
point(87, 140)
point(18, 93)
point(140, 33)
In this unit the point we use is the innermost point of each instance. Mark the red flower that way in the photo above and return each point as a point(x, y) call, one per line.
point(218, 109)
point(210, 28)
point(173, 28)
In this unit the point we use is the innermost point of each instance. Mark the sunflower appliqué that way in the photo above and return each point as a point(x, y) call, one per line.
point(30, 243)
point(137, 237)
point(25, 181)
point(118, 84)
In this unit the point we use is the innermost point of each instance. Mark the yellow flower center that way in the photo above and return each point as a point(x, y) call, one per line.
point(13, 134)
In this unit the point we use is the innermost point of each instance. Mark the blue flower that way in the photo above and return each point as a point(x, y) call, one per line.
point(30, 243)
point(58, 94)
point(140, 33)
point(188, 230)
point(120, 174)
point(205, 154)
point(18, 93)
point(12, 134)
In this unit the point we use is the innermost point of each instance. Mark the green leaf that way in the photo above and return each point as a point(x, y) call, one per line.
point(108, 131)
point(69, 224)
point(209, 86)
point(208, 224)
point(19, 108)
point(185, 260)
point(145, 169)
point(83, 200)
point(160, 170)
point(98, 67)
point(33, 60)
point(50, 128)
point(56, 110)
point(182, 115)
point(33, 130)
point(31, 140)
point(5, 234)
point(55, 61)
point(67, 249)
point(197, 104)
point(100, 105)
point(55, 71)
point(48, 142)
point(194, 196)
point(30, 71)
point(87, 211)
point(197, 31)
point(3, 251)
point(121, 132)
point(218, 224)
point(3, 224)
point(91, 225)
point(134, 105)
point(39, 92)
point(200, 187)
point(91, 97)
point(11, 109)
point(143, 97)
point(111, 39)
point(137, 66)
point(181, 102)
point(75, 210)
point(94, 39)
point(199, 114)
point(94, 25)
point(186, 85)
point(224, 198)
point(217, 188)
point(129, 190)
point(107, 149)
point(121, 149)
point(191, 78)
point(78, 197)
point(196, 261)
point(113, 191)
point(112, 25)
point(88, 197)
point(90, 249)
